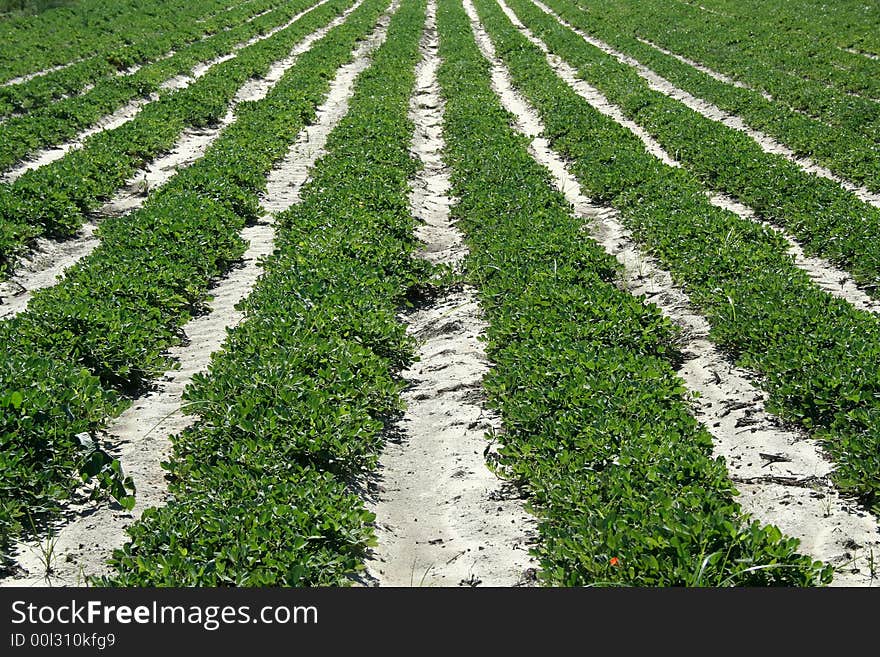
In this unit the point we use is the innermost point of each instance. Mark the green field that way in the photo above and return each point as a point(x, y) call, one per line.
point(666, 214)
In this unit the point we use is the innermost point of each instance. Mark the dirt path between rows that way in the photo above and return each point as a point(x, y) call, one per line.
point(714, 113)
point(868, 55)
point(50, 258)
point(141, 436)
point(721, 77)
point(782, 474)
point(822, 272)
point(21, 79)
point(442, 517)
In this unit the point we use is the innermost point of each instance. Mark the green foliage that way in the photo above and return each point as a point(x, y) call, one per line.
point(596, 426)
point(844, 151)
point(30, 6)
point(56, 106)
point(828, 220)
point(293, 407)
point(801, 68)
point(39, 34)
point(54, 199)
point(819, 357)
point(248, 525)
point(104, 330)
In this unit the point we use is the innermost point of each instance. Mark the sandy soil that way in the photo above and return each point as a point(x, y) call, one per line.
point(781, 473)
point(85, 538)
point(48, 155)
point(42, 266)
point(869, 55)
point(824, 274)
point(830, 278)
point(710, 111)
point(442, 517)
point(30, 76)
point(49, 258)
point(704, 69)
point(134, 69)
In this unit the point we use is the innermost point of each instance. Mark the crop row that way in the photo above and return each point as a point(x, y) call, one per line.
point(842, 150)
point(819, 357)
point(596, 425)
point(294, 405)
point(828, 220)
point(70, 80)
point(69, 360)
point(55, 198)
point(724, 47)
point(86, 29)
point(22, 135)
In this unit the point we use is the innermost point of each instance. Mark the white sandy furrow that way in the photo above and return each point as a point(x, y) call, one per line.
point(85, 539)
point(50, 258)
point(48, 155)
point(38, 74)
point(791, 486)
point(442, 517)
point(868, 55)
point(131, 109)
point(254, 17)
point(714, 113)
point(822, 272)
point(721, 77)
point(283, 188)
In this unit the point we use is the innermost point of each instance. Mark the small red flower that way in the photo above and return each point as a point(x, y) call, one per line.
point(615, 561)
